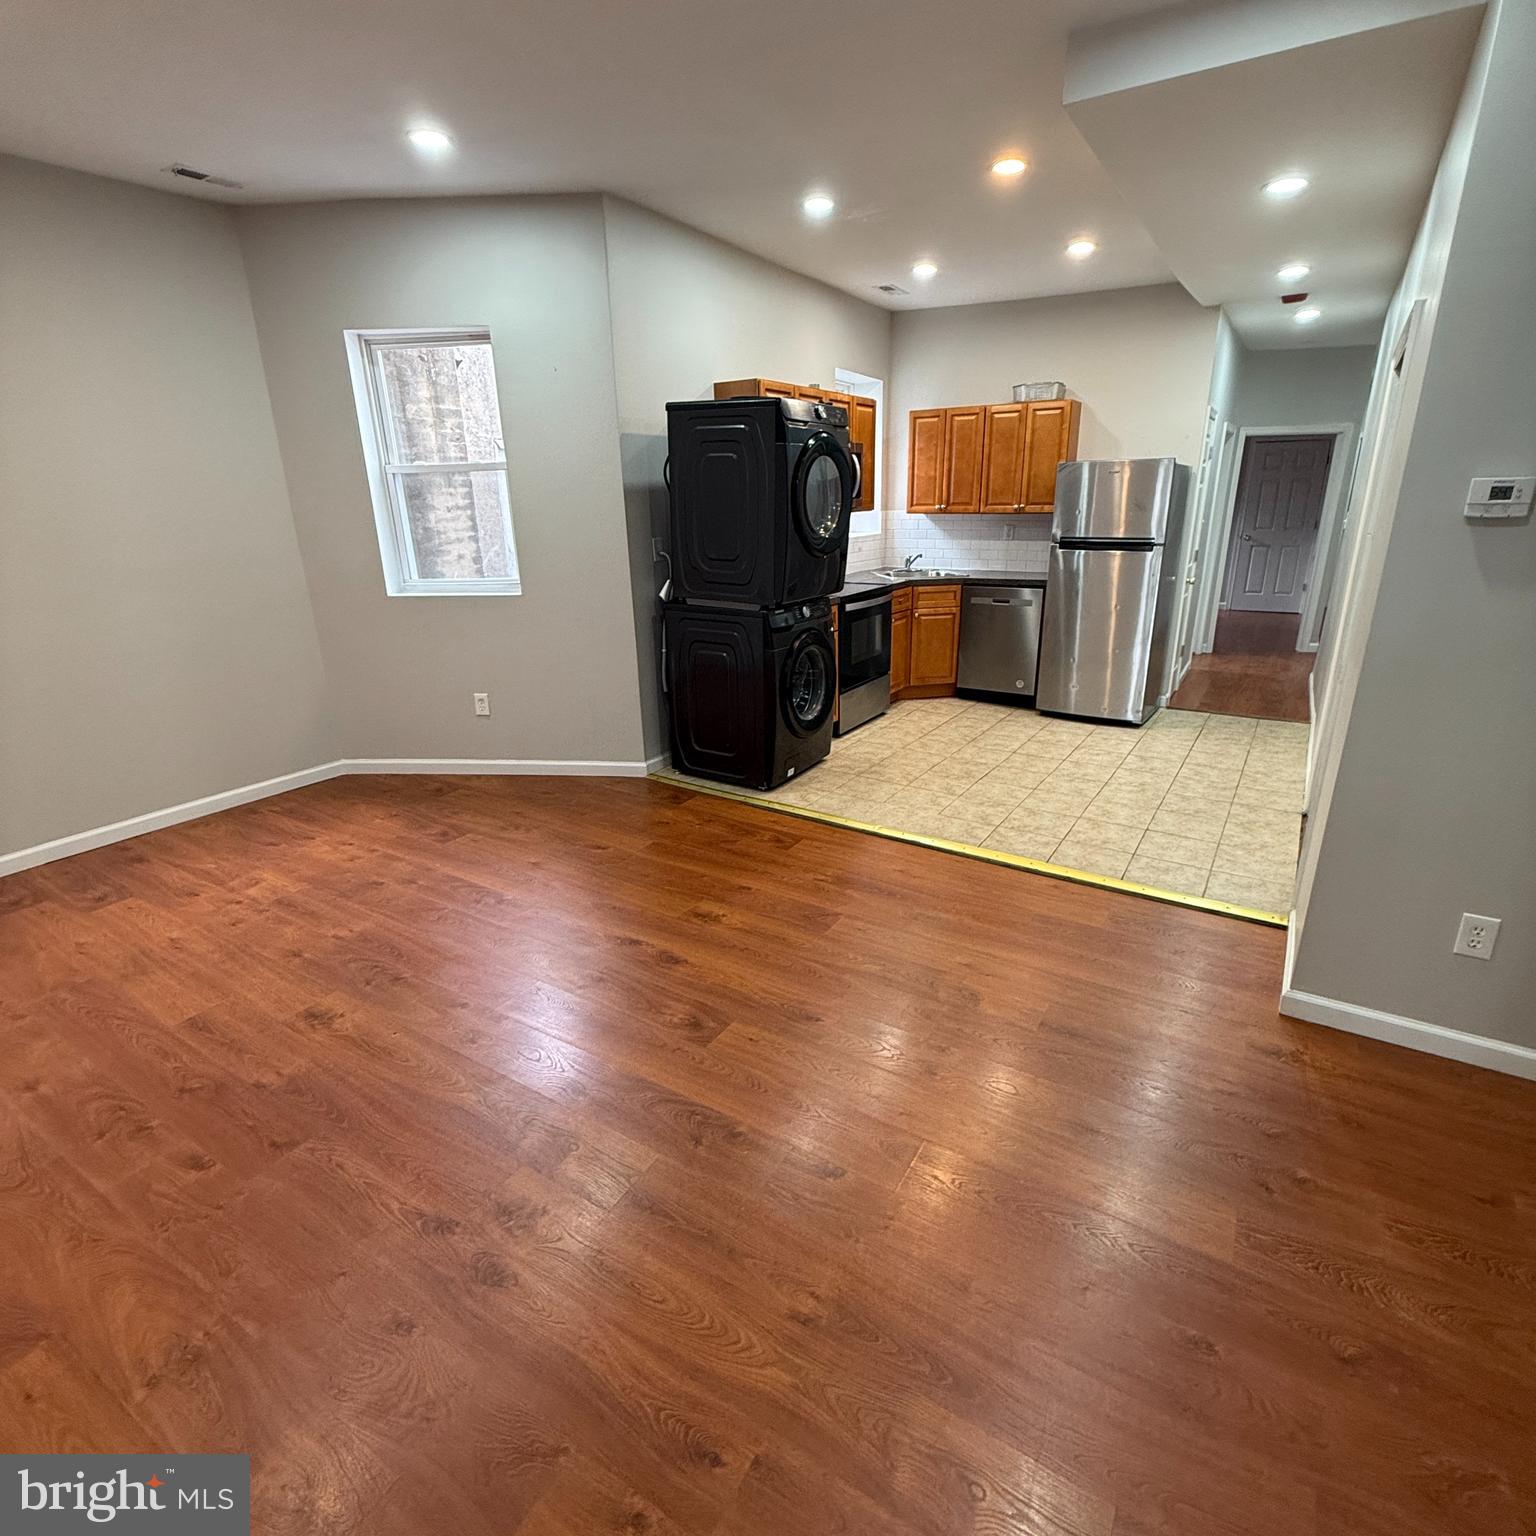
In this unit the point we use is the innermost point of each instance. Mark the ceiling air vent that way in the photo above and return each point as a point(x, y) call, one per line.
point(206, 176)
point(895, 291)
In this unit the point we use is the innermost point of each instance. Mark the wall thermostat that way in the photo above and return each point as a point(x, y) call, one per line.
point(1507, 496)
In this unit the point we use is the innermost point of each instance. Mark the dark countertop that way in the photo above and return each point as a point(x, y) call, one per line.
point(866, 583)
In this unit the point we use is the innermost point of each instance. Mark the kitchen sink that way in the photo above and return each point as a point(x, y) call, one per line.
point(892, 572)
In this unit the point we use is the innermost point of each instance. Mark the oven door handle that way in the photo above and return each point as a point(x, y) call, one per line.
point(868, 602)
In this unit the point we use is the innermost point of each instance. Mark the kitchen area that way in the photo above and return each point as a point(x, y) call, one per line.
point(1005, 697)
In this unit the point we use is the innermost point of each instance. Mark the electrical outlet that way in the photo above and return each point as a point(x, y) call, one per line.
point(482, 703)
point(1476, 936)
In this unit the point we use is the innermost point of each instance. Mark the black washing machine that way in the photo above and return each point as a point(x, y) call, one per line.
point(751, 690)
point(761, 494)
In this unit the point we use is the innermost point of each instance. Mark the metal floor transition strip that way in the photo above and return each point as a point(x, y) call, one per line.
point(986, 855)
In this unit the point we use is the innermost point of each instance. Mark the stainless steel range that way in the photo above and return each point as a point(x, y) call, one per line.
point(863, 659)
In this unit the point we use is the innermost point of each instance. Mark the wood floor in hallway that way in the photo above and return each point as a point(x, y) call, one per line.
point(580, 1156)
point(1254, 669)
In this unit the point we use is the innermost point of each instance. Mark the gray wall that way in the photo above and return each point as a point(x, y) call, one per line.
point(1308, 386)
point(156, 638)
point(1428, 789)
point(688, 310)
point(559, 661)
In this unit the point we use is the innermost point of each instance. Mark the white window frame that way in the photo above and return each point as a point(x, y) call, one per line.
point(385, 469)
point(868, 525)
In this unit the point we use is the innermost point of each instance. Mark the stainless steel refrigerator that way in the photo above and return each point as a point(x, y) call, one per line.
point(1112, 590)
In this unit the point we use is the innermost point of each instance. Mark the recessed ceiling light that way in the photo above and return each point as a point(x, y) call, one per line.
point(1080, 250)
point(1293, 272)
point(1292, 184)
point(818, 205)
point(925, 269)
point(1307, 316)
point(430, 141)
point(1009, 165)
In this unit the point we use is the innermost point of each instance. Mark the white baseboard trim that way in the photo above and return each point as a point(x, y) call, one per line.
point(554, 767)
point(170, 816)
point(191, 810)
point(1395, 1029)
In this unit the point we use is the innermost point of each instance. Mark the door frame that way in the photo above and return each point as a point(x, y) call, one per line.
point(1187, 624)
point(1202, 592)
point(1339, 471)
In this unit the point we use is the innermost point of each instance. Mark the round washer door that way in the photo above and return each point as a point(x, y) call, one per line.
point(822, 493)
point(808, 683)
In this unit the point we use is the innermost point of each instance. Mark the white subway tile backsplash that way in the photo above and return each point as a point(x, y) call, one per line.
point(969, 542)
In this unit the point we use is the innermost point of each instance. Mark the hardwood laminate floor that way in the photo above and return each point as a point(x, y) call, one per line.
point(1254, 669)
point(578, 1156)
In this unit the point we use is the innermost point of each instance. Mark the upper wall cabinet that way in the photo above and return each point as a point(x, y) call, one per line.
point(944, 462)
point(1052, 440)
point(990, 458)
point(861, 434)
point(925, 462)
point(861, 422)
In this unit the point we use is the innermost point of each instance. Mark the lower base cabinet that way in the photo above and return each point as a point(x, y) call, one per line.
point(925, 641)
point(901, 640)
point(837, 651)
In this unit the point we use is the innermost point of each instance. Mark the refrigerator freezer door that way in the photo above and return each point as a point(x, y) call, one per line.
point(1117, 500)
point(1096, 648)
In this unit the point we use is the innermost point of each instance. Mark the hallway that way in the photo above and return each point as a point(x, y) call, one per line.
point(1255, 669)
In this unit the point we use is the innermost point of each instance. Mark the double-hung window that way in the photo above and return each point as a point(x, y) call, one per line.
point(430, 421)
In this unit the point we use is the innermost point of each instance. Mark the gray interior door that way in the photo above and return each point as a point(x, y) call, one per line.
point(1274, 532)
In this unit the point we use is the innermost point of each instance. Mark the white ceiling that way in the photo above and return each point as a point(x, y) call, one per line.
point(721, 113)
point(1364, 114)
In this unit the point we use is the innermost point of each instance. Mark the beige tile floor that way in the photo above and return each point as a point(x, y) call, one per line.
point(1203, 805)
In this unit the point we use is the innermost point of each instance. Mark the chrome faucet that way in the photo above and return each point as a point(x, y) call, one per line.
point(910, 561)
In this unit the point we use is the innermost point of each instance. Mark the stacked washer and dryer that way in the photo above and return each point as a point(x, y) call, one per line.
point(761, 494)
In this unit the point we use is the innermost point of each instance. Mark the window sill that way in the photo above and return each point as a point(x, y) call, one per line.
point(510, 587)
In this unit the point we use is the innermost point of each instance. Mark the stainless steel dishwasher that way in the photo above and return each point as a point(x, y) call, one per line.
point(1000, 640)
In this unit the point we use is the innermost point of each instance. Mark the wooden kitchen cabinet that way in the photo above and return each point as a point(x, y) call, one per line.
point(1052, 440)
point(989, 458)
point(861, 434)
point(901, 640)
point(862, 421)
point(944, 459)
point(1003, 455)
point(925, 461)
point(935, 639)
point(837, 652)
point(736, 389)
point(901, 652)
point(925, 641)
point(964, 440)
